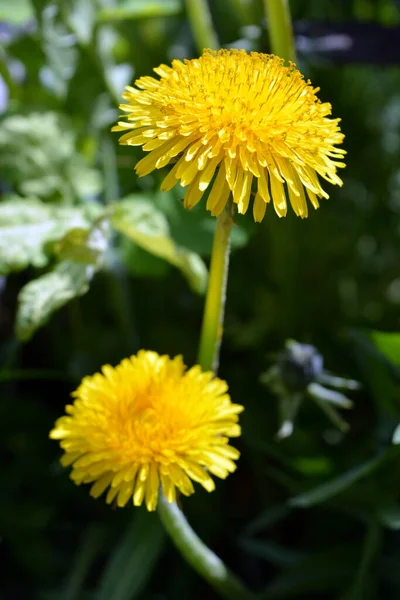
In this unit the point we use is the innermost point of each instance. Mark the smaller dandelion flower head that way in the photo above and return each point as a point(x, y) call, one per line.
point(253, 123)
point(145, 423)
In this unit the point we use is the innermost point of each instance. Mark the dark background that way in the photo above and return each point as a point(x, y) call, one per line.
point(331, 280)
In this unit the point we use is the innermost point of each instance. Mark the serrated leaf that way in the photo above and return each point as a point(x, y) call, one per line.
point(133, 560)
point(138, 219)
point(39, 298)
point(27, 225)
point(139, 9)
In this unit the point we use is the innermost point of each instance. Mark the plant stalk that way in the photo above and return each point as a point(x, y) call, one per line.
point(199, 16)
point(212, 327)
point(198, 555)
point(280, 28)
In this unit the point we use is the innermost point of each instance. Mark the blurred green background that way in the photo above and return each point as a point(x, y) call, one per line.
point(96, 264)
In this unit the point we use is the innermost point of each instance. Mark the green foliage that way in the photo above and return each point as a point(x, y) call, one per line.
point(82, 253)
point(138, 219)
point(40, 297)
point(16, 12)
point(388, 344)
point(131, 564)
point(316, 515)
point(38, 156)
point(27, 226)
point(140, 9)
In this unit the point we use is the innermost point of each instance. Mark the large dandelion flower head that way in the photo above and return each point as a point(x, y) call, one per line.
point(237, 123)
point(145, 423)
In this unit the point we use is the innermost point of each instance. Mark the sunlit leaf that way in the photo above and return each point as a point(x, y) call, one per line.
point(194, 229)
point(81, 17)
point(59, 48)
point(16, 12)
point(41, 297)
point(84, 245)
point(27, 225)
point(38, 156)
point(138, 219)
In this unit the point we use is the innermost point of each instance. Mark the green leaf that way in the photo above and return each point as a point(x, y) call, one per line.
point(80, 15)
point(332, 488)
point(16, 12)
point(194, 229)
point(140, 263)
point(389, 516)
point(90, 546)
point(58, 47)
point(388, 344)
point(38, 156)
point(27, 225)
point(138, 219)
point(83, 245)
point(39, 298)
point(133, 560)
point(140, 9)
point(380, 376)
point(325, 570)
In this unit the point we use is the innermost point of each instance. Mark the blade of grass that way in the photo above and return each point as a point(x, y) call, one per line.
point(133, 560)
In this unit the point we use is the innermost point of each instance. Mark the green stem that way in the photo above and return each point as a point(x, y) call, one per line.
point(198, 555)
point(280, 28)
point(199, 16)
point(244, 12)
point(212, 328)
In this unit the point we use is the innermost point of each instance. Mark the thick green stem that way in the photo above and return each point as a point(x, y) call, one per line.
point(198, 555)
point(199, 16)
point(280, 28)
point(212, 328)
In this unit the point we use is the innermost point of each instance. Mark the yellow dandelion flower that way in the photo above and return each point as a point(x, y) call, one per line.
point(145, 423)
point(245, 118)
